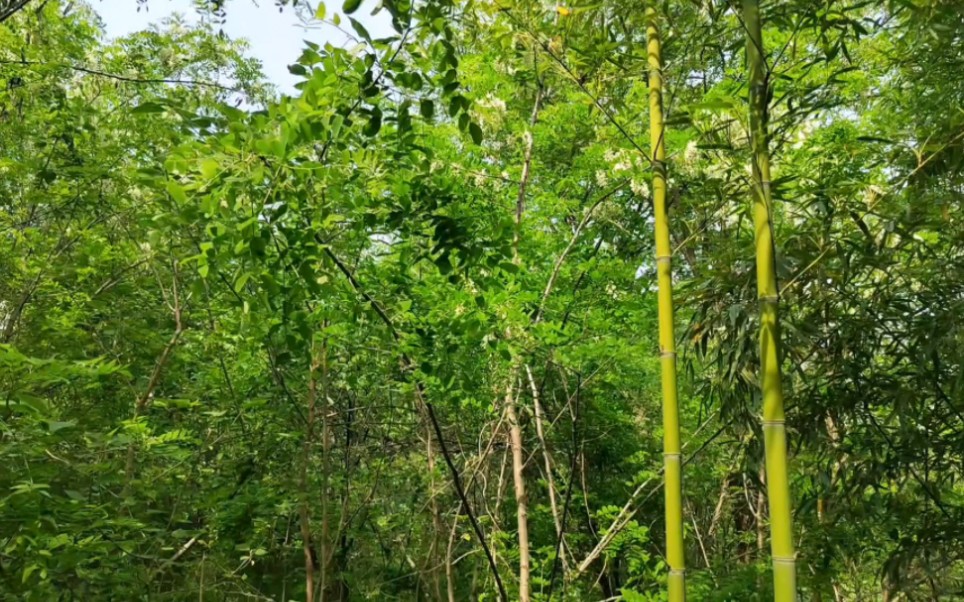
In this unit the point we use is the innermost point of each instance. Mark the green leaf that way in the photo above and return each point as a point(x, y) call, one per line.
point(715, 104)
point(55, 425)
point(177, 192)
point(28, 402)
point(336, 123)
point(241, 281)
point(321, 11)
point(360, 30)
point(350, 6)
point(476, 132)
point(209, 168)
point(427, 108)
point(404, 117)
point(148, 107)
point(374, 123)
point(455, 103)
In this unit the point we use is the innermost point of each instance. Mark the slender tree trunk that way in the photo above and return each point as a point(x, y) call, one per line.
point(512, 414)
point(547, 460)
point(718, 511)
point(499, 495)
point(449, 569)
point(433, 576)
point(774, 427)
point(676, 581)
point(324, 555)
point(699, 539)
point(303, 482)
point(518, 480)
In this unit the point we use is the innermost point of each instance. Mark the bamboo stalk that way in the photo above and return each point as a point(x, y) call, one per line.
point(774, 427)
point(676, 581)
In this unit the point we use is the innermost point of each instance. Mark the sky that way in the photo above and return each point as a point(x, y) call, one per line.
point(276, 38)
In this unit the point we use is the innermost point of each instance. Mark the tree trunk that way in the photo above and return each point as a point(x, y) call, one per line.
point(324, 554)
point(433, 576)
point(305, 512)
point(515, 427)
point(518, 480)
point(547, 460)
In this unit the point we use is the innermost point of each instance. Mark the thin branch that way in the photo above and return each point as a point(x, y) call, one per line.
point(625, 514)
point(123, 78)
point(433, 418)
point(12, 10)
point(582, 86)
point(572, 242)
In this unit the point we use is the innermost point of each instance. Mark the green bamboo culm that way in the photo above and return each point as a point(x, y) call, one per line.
point(676, 581)
point(774, 427)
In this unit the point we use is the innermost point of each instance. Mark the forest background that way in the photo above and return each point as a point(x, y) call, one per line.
point(394, 335)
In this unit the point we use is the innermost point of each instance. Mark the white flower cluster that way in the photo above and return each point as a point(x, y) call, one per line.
point(691, 153)
point(623, 160)
point(490, 111)
point(493, 102)
point(639, 187)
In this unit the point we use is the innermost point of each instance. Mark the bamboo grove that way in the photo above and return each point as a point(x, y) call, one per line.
point(502, 300)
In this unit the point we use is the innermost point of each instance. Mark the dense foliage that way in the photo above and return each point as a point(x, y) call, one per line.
point(394, 337)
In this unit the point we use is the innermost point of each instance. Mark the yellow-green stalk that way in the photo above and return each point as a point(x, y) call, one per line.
point(676, 581)
point(774, 428)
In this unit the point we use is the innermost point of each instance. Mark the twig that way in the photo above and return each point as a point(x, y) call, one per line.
point(123, 78)
point(572, 242)
point(182, 550)
point(622, 519)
